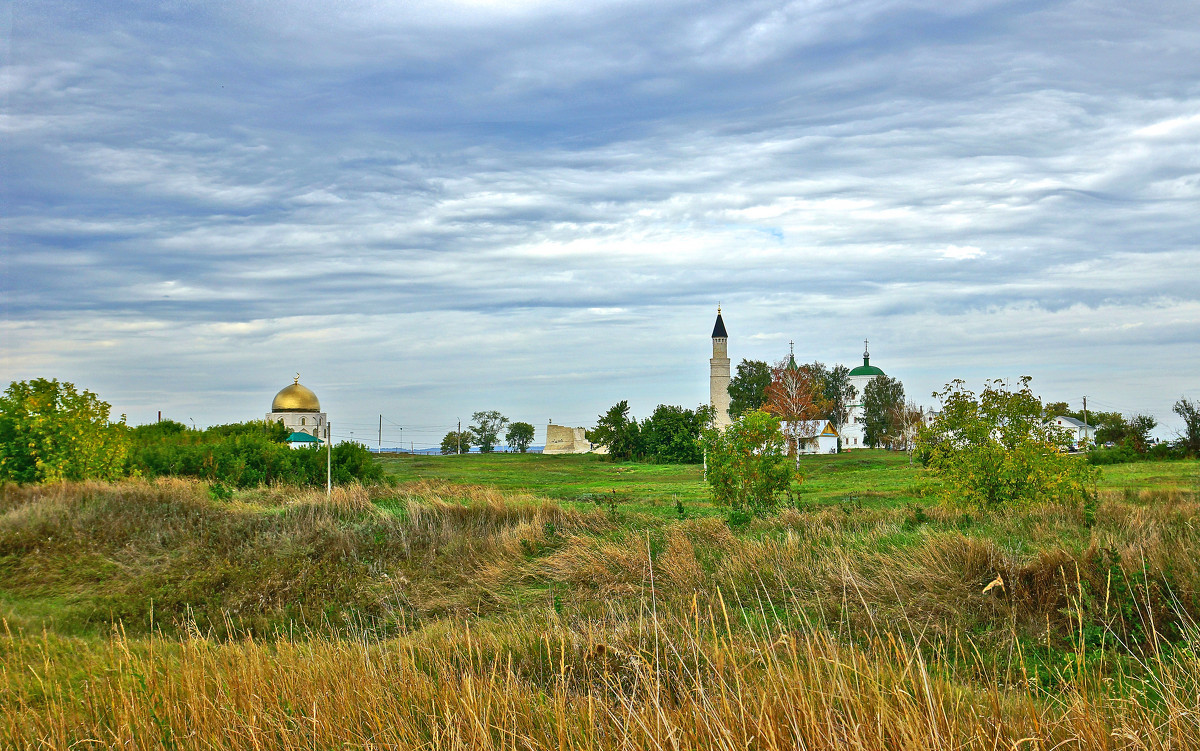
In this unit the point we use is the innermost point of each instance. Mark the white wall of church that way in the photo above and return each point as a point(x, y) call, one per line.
point(314, 423)
point(853, 435)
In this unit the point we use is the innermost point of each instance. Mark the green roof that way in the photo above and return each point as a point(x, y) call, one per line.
point(303, 438)
point(866, 369)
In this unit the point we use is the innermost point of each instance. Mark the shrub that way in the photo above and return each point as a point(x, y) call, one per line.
point(244, 455)
point(1116, 455)
point(996, 450)
point(747, 465)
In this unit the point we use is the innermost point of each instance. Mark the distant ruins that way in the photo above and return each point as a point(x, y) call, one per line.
point(563, 440)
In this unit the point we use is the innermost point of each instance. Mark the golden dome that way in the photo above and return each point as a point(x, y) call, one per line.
point(295, 398)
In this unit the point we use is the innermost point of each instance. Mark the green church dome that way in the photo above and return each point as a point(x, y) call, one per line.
point(866, 369)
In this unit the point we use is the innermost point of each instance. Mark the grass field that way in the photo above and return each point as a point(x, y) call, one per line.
point(869, 478)
point(536, 602)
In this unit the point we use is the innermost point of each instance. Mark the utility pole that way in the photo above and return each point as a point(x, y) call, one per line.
point(1085, 416)
point(380, 446)
point(328, 461)
point(458, 436)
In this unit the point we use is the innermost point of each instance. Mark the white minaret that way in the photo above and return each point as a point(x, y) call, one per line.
point(718, 379)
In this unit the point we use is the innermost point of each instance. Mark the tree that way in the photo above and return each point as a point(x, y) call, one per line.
point(1140, 426)
point(883, 410)
point(1111, 427)
point(617, 431)
point(1190, 413)
point(996, 450)
point(485, 429)
point(748, 388)
point(838, 393)
point(672, 434)
point(747, 467)
point(1056, 409)
point(49, 431)
point(796, 398)
point(519, 436)
point(456, 442)
point(908, 420)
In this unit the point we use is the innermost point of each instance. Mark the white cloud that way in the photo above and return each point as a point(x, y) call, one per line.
point(433, 206)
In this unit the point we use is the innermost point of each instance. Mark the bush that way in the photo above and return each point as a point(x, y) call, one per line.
point(996, 450)
point(747, 465)
point(1116, 455)
point(244, 455)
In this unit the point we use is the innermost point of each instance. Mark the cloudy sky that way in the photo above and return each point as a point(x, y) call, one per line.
point(432, 208)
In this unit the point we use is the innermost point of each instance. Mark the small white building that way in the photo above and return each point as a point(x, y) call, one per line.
point(825, 442)
point(303, 440)
point(1078, 430)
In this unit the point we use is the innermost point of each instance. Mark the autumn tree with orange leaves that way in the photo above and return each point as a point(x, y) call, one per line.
point(795, 396)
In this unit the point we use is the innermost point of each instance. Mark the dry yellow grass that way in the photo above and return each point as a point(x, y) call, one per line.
point(648, 684)
point(517, 624)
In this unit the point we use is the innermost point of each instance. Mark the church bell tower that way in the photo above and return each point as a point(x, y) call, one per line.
point(718, 379)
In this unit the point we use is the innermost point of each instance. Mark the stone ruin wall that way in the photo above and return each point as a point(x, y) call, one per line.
point(563, 440)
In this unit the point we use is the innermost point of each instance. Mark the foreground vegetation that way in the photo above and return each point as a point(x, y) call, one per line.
point(477, 611)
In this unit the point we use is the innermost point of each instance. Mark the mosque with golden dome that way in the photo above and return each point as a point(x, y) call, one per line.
point(298, 409)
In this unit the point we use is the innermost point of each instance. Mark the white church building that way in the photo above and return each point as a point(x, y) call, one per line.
point(853, 432)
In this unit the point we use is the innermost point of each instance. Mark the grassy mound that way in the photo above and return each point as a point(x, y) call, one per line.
point(436, 615)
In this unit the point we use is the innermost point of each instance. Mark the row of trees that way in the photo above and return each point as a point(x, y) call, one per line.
point(484, 433)
point(670, 434)
point(49, 431)
point(243, 455)
point(1129, 435)
point(805, 396)
point(992, 450)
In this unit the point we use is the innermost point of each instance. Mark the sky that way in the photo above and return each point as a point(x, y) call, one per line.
point(428, 209)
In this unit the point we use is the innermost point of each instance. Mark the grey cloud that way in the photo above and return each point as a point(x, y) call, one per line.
point(912, 169)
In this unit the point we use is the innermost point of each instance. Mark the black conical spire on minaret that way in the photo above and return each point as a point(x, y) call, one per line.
point(719, 327)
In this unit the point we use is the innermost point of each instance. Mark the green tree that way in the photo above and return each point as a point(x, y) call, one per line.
point(617, 431)
point(747, 464)
point(485, 429)
point(996, 450)
point(456, 442)
point(1190, 412)
point(49, 431)
point(883, 411)
point(1140, 426)
point(1111, 427)
point(1057, 409)
point(748, 388)
point(835, 386)
point(672, 434)
point(519, 436)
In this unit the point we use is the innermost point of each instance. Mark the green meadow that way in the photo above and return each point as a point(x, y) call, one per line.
point(872, 478)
